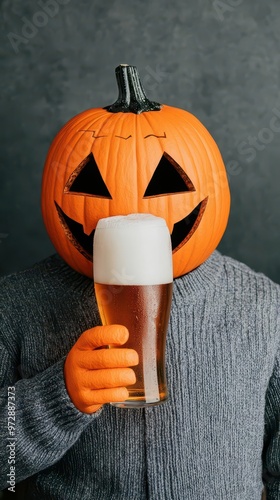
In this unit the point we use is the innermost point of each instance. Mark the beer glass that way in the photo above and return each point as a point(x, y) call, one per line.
point(133, 278)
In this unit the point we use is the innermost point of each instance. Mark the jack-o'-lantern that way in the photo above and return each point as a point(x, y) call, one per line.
point(135, 156)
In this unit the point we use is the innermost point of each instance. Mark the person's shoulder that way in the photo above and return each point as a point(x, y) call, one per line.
point(52, 261)
point(38, 299)
point(35, 273)
point(48, 277)
point(241, 274)
point(235, 265)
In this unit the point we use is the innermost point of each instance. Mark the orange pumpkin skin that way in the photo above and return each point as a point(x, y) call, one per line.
point(127, 149)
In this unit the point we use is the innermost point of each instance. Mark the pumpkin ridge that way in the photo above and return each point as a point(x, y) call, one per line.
point(190, 144)
point(138, 153)
point(66, 130)
point(70, 125)
point(75, 145)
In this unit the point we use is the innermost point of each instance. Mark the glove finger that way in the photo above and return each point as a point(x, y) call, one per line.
point(103, 396)
point(107, 379)
point(103, 335)
point(108, 358)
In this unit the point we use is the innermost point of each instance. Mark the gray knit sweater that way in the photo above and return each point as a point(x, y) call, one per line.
point(217, 438)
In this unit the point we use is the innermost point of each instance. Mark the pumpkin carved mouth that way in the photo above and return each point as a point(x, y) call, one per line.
point(182, 230)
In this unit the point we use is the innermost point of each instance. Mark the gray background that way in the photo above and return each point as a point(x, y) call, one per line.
point(218, 59)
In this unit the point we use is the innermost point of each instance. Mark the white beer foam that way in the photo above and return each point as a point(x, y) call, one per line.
point(131, 219)
point(133, 249)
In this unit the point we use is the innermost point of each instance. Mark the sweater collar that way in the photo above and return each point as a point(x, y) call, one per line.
point(186, 287)
point(196, 282)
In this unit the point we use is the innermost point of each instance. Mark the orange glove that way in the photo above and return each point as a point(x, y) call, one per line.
point(95, 376)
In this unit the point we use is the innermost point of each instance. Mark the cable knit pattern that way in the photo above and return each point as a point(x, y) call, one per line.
point(217, 437)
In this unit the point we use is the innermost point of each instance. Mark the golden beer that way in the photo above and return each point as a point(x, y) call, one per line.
point(144, 310)
point(133, 277)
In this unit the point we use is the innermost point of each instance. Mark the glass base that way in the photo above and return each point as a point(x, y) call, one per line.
point(138, 404)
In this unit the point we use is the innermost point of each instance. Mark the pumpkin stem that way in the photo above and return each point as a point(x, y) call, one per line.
point(132, 97)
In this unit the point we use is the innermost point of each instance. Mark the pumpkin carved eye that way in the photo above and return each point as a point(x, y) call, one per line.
point(87, 180)
point(168, 178)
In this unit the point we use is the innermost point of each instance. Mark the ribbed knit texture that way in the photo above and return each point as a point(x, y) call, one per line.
point(214, 439)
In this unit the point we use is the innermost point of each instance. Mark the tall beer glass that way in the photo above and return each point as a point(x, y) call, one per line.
point(133, 285)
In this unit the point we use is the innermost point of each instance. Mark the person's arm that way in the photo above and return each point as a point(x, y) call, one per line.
point(42, 417)
point(271, 451)
point(38, 421)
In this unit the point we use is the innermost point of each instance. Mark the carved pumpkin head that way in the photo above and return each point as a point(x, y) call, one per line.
point(135, 156)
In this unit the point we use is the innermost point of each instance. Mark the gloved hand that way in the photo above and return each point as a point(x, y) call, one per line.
point(95, 376)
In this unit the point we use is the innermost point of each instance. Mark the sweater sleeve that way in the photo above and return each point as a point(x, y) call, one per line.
point(38, 421)
point(271, 451)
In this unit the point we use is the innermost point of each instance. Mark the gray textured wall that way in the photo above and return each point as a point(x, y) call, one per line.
point(219, 59)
